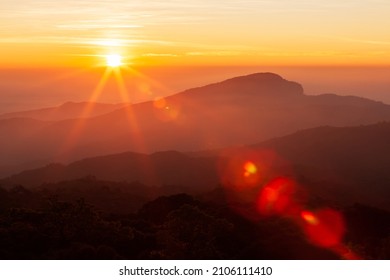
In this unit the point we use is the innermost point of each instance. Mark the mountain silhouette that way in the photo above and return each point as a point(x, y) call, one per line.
point(349, 161)
point(238, 111)
point(168, 168)
point(360, 147)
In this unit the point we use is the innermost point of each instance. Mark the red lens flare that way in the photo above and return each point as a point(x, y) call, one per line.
point(325, 228)
point(278, 198)
point(264, 180)
point(245, 169)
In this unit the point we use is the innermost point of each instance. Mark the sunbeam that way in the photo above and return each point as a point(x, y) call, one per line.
point(75, 132)
point(137, 138)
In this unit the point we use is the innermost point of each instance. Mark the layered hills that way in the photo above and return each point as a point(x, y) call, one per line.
point(238, 111)
point(68, 110)
point(344, 164)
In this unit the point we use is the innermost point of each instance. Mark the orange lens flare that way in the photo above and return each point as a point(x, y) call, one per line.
point(159, 103)
point(249, 169)
point(325, 228)
point(166, 111)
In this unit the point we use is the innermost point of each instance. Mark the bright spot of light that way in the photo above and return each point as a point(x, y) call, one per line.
point(277, 197)
point(309, 217)
point(166, 111)
point(114, 60)
point(249, 169)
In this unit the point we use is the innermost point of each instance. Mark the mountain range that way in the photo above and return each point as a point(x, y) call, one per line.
point(239, 111)
point(344, 164)
point(252, 167)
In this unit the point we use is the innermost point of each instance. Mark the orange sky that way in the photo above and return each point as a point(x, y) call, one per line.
point(203, 32)
point(55, 51)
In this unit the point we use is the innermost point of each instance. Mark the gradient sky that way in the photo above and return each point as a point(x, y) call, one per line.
point(203, 32)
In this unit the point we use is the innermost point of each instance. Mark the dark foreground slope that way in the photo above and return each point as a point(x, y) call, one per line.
point(74, 224)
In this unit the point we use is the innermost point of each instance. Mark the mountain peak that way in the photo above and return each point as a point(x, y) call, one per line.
point(258, 77)
point(263, 85)
point(266, 84)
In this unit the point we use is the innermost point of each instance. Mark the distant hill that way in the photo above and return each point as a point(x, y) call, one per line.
point(359, 147)
point(238, 111)
point(352, 162)
point(347, 165)
point(68, 110)
point(159, 169)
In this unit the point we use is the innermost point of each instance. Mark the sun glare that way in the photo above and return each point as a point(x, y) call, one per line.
point(113, 60)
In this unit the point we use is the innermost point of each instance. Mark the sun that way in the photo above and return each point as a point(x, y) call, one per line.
point(114, 60)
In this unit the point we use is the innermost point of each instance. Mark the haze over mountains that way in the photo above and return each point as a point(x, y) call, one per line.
point(238, 111)
point(68, 110)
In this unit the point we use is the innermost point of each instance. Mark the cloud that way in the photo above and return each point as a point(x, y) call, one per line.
point(214, 53)
point(160, 55)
